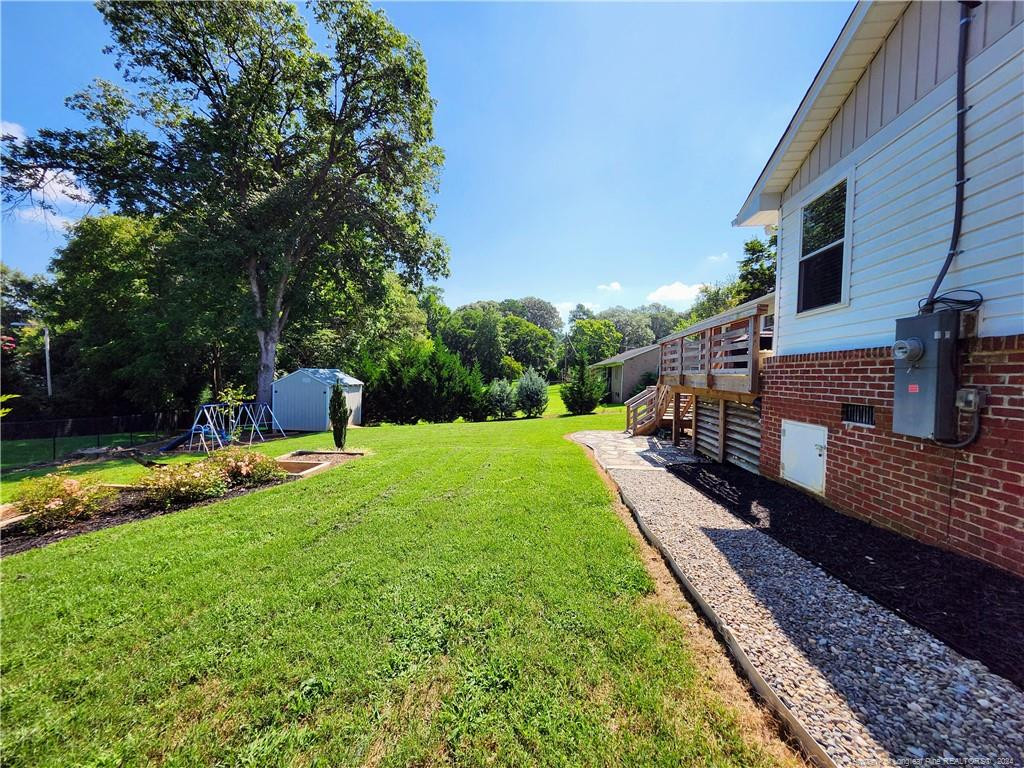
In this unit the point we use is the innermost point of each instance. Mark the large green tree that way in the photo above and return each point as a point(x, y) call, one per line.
point(283, 166)
point(135, 336)
point(528, 344)
point(345, 330)
point(22, 370)
point(473, 332)
point(662, 318)
point(634, 325)
point(537, 311)
point(592, 340)
point(756, 269)
point(711, 299)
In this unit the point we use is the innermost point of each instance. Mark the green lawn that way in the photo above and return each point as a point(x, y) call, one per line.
point(127, 471)
point(464, 595)
point(18, 453)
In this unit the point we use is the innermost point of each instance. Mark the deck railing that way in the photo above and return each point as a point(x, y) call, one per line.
point(723, 357)
point(641, 408)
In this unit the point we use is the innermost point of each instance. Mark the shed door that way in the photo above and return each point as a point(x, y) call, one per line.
point(742, 436)
point(803, 454)
point(707, 427)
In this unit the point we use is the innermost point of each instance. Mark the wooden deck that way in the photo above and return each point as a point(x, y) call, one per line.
point(719, 360)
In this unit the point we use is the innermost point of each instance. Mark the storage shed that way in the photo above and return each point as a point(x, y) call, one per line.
point(302, 399)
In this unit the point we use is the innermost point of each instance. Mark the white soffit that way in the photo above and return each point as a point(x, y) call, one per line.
point(862, 35)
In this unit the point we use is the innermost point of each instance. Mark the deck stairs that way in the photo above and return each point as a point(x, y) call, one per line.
point(652, 408)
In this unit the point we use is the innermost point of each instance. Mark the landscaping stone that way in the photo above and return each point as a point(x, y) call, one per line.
point(870, 688)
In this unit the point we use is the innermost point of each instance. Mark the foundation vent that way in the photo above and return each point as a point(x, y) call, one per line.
point(859, 414)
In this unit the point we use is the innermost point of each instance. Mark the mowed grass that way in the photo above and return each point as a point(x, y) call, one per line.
point(126, 471)
point(465, 594)
point(18, 453)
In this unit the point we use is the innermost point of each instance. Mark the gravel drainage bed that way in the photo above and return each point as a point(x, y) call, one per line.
point(868, 686)
point(973, 607)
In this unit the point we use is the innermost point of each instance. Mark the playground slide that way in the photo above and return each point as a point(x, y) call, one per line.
point(177, 442)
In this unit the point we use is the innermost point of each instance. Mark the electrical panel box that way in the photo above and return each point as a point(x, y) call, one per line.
point(924, 358)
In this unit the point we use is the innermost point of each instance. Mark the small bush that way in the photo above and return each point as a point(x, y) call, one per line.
point(532, 393)
point(184, 483)
point(511, 368)
point(647, 380)
point(583, 391)
point(502, 395)
point(55, 500)
point(340, 415)
point(478, 403)
point(246, 468)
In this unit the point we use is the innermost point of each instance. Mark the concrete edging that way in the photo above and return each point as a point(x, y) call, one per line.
point(811, 748)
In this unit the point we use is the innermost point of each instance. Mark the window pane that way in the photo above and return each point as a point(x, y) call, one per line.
point(821, 279)
point(824, 220)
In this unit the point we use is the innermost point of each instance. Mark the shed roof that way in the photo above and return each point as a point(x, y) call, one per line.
point(329, 376)
point(622, 357)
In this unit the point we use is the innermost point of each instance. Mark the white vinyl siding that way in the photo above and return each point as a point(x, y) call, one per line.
point(918, 55)
point(902, 214)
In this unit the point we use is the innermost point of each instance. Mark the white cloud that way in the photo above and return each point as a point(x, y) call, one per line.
point(37, 215)
point(64, 200)
point(613, 287)
point(61, 187)
point(679, 294)
point(12, 129)
point(720, 257)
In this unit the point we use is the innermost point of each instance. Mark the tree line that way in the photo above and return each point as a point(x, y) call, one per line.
point(130, 335)
point(261, 203)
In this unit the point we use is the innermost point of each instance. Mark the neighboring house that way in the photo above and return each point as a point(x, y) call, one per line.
point(302, 399)
point(862, 186)
point(625, 372)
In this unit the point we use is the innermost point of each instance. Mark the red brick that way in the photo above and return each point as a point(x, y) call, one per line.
point(909, 485)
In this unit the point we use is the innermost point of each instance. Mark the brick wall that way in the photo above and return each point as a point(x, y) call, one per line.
point(971, 500)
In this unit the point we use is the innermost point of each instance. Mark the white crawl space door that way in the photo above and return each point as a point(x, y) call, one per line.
point(803, 454)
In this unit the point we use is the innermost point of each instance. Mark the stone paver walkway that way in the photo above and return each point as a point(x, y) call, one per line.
point(870, 688)
point(617, 450)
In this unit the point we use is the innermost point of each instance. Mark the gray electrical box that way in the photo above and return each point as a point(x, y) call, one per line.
point(924, 356)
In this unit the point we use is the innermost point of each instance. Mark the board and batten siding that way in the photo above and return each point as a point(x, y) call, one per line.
point(918, 55)
point(900, 215)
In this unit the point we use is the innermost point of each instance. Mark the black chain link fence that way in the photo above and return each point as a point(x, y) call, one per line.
point(31, 442)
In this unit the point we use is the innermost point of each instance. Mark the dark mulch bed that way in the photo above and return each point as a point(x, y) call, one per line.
point(972, 607)
point(128, 507)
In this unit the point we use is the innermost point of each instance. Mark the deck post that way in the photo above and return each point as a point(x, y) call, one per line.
point(753, 368)
point(721, 430)
point(693, 424)
point(676, 418)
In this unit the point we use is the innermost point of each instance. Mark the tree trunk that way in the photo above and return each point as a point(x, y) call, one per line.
point(265, 372)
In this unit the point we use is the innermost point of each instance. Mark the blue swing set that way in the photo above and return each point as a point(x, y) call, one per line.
point(218, 425)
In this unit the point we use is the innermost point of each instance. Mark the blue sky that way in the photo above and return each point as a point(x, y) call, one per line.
point(596, 152)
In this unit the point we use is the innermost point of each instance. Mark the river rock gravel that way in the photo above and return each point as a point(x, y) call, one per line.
point(870, 688)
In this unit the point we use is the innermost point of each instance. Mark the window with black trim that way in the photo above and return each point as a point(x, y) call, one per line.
point(821, 250)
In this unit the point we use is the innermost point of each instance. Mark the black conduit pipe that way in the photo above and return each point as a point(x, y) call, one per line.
point(961, 125)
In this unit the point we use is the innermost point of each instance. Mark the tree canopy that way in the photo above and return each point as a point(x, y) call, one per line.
point(591, 340)
point(282, 167)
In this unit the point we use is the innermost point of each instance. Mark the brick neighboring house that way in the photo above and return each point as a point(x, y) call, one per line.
point(861, 187)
